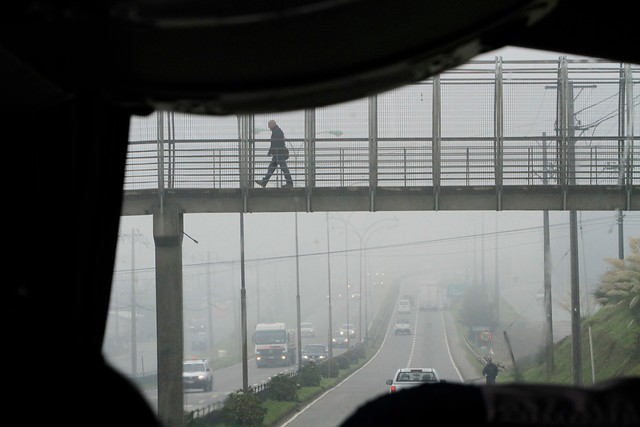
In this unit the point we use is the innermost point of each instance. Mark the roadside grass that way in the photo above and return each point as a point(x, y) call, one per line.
point(610, 348)
point(612, 334)
point(280, 411)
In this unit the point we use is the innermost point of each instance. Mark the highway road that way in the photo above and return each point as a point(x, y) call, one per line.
point(229, 379)
point(434, 343)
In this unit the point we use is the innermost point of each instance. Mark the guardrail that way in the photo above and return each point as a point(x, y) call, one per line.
point(488, 123)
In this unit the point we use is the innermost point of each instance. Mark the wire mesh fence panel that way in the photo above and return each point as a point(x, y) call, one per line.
point(485, 123)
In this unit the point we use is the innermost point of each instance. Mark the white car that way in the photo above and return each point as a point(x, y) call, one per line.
point(196, 373)
point(404, 306)
point(402, 327)
point(412, 377)
point(306, 329)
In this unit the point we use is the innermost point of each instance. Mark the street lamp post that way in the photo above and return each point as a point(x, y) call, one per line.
point(329, 296)
point(346, 279)
point(346, 255)
point(298, 335)
point(363, 247)
point(243, 308)
point(363, 237)
point(334, 132)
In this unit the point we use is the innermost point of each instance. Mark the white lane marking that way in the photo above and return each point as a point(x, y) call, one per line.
point(446, 339)
point(414, 333)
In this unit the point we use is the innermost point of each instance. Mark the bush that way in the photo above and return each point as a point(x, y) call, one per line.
point(343, 362)
point(330, 370)
point(357, 353)
point(243, 409)
point(309, 375)
point(282, 387)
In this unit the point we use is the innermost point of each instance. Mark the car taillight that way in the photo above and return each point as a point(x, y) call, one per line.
point(393, 389)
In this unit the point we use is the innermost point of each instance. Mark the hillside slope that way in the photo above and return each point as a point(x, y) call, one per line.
point(616, 351)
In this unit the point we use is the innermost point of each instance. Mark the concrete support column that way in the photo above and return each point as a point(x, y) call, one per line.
point(167, 234)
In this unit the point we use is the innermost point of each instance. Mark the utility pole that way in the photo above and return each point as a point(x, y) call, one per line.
point(496, 289)
point(549, 356)
point(134, 237)
point(299, 336)
point(620, 235)
point(622, 130)
point(568, 141)
point(243, 309)
point(134, 314)
point(346, 278)
point(211, 346)
point(329, 296)
point(576, 330)
point(483, 283)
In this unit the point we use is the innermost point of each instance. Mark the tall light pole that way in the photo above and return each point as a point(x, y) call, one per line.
point(363, 294)
point(346, 281)
point(134, 314)
point(363, 247)
point(329, 295)
point(243, 308)
point(299, 337)
point(135, 236)
point(210, 336)
point(346, 262)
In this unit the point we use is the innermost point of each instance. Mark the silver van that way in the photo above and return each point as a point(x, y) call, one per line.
point(404, 306)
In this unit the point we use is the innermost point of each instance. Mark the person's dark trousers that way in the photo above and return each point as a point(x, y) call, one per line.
point(275, 162)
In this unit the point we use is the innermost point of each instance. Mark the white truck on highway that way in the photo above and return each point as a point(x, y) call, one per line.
point(429, 297)
point(275, 345)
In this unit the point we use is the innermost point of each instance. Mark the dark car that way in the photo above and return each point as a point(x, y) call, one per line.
point(340, 341)
point(314, 353)
point(348, 328)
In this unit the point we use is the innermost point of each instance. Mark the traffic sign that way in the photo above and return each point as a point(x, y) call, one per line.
point(486, 336)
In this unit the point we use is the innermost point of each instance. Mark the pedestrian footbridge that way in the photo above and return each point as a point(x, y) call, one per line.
point(489, 135)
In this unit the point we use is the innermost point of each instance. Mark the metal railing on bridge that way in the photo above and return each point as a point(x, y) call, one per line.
point(487, 123)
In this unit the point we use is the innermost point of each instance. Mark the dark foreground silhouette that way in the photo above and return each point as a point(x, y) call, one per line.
point(611, 403)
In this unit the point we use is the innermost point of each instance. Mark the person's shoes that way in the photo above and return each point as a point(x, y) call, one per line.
point(287, 185)
point(261, 183)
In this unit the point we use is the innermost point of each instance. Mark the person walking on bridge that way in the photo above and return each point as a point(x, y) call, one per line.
point(279, 154)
